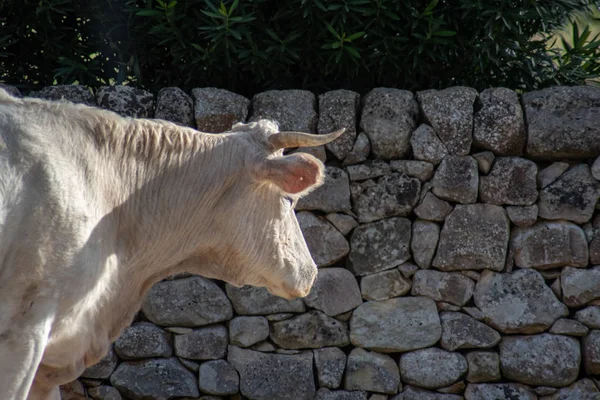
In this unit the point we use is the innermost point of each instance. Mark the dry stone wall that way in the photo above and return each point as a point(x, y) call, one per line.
point(457, 236)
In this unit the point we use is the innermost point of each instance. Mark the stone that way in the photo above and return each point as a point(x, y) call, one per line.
point(523, 216)
point(485, 159)
point(73, 390)
point(548, 245)
point(450, 287)
point(311, 330)
point(443, 306)
point(424, 241)
point(160, 378)
point(13, 90)
point(556, 288)
point(391, 195)
point(456, 388)
point(584, 389)
point(414, 393)
point(551, 173)
point(433, 208)
point(334, 292)
point(189, 364)
point(217, 110)
point(432, 368)
point(591, 352)
point(422, 170)
point(474, 275)
point(317, 151)
point(252, 300)
point(594, 250)
point(360, 152)
point(342, 222)
point(339, 109)
point(246, 331)
point(325, 243)
point(474, 312)
point(330, 363)
point(178, 330)
point(427, 146)
point(332, 196)
point(580, 286)
point(562, 122)
point(368, 170)
point(570, 327)
point(589, 316)
point(512, 181)
point(294, 110)
point(173, 104)
point(207, 343)
point(545, 390)
point(104, 393)
point(484, 366)
point(218, 377)
point(450, 113)
point(103, 368)
point(265, 346)
point(192, 301)
point(571, 197)
point(384, 285)
point(279, 317)
point(143, 340)
point(396, 325)
point(456, 179)
point(266, 376)
point(459, 331)
point(497, 391)
point(126, 100)
point(542, 360)
point(388, 118)
point(73, 93)
point(595, 170)
point(499, 124)
point(371, 371)
point(379, 246)
point(408, 269)
point(518, 302)
point(327, 394)
point(474, 236)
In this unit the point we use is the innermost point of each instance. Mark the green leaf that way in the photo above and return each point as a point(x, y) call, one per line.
point(211, 14)
point(149, 13)
point(233, 6)
point(355, 36)
point(333, 32)
point(353, 52)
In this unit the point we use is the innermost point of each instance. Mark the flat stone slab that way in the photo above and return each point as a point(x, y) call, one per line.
point(432, 368)
point(217, 110)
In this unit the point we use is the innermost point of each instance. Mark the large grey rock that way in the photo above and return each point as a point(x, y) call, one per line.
point(580, 286)
point(325, 243)
point(395, 325)
point(511, 181)
point(450, 113)
point(360, 152)
point(246, 331)
point(252, 300)
point(126, 100)
point(460, 331)
point(424, 241)
point(334, 292)
point(591, 352)
point(422, 170)
point(73, 93)
point(432, 368)
point(433, 208)
point(189, 301)
point(371, 371)
point(570, 327)
point(218, 377)
point(392, 195)
point(499, 391)
point(519, 302)
point(543, 360)
point(456, 179)
point(474, 237)
point(523, 216)
point(427, 146)
point(338, 109)
point(207, 343)
point(173, 104)
point(154, 379)
point(584, 389)
point(294, 110)
point(589, 316)
point(388, 118)
point(217, 110)
point(551, 173)
point(143, 340)
point(327, 394)
point(309, 331)
point(330, 363)
point(271, 376)
point(379, 246)
point(449, 287)
point(499, 124)
point(368, 170)
point(484, 366)
point(332, 196)
point(548, 245)
point(384, 285)
point(562, 122)
point(414, 393)
point(103, 368)
point(572, 197)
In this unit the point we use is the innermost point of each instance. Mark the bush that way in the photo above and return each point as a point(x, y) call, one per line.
point(250, 46)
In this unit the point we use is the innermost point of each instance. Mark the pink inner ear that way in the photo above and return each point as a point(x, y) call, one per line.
point(296, 173)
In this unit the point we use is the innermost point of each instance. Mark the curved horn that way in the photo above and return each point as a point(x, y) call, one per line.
point(284, 140)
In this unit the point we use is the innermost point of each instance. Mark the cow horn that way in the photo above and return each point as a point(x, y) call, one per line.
point(284, 140)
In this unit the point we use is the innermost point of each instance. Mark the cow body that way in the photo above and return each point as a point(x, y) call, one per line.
point(95, 208)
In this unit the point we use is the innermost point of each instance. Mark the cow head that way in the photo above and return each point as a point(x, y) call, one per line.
point(255, 217)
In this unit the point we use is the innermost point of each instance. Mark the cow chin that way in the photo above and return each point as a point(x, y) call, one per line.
point(290, 292)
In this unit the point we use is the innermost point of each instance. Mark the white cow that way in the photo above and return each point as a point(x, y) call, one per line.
point(95, 208)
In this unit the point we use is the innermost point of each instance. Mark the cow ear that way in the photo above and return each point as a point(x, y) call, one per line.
point(294, 174)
